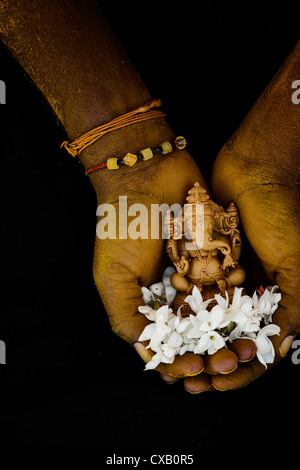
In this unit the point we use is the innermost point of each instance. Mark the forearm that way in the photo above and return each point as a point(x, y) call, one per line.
point(264, 151)
point(72, 55)
point(70, 52)
point(270, 133)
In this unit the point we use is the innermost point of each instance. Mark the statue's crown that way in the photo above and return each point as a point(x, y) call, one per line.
point(197, 195)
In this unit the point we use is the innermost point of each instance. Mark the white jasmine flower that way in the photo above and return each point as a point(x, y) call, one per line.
point(148, 296)
point(194, 326)
point(157, 289)
point(252, 322)
point(183, 328)
point(195, 300)
point(159, 329)
point(154, 362)
point(239, 309)
point(158, 358)
point(210, 342)
point(166, 349)
point(238, 333)
point(267, 303)
point(148, 312)
point(160, 292)
point(175, 340)
point(206, 324)
point(265, 349)
point(170, 334)
point(211, 320)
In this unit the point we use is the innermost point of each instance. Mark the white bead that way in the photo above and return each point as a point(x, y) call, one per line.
point(166, 147)
point(147, 153)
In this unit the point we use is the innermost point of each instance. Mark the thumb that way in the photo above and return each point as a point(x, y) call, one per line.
point(121, 295)
point(287, 316)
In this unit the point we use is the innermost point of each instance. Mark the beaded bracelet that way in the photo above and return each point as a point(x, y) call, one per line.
point(130, 159)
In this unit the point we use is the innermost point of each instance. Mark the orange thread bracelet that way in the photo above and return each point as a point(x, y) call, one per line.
point(142, 113)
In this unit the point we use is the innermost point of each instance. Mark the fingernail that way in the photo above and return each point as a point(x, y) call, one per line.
point(168, 379)
point(144, 353)
point(220, 389)
point(285, 345)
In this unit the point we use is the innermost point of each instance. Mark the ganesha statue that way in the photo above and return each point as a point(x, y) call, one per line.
point(208, 261)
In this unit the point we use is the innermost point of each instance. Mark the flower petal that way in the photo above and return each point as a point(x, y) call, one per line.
point(184, 323)
point(195, 321)
point(246, 305)
point(263, 344)
point(154, 362)
point(217, 314)
point(237, 297)
point(148, 312)
point(161, 331)
point(194, 333)
point(203, 344)
point(157, 289)
point(269, 330)
point(221, 301)
point(175, 340)
point(162, 314)
point(147, 295)
point(183, 350)
point(260, 357)
point(147, 332)
point(195, 300)
point(217, 342)
point(168, 351)
point(203, 315)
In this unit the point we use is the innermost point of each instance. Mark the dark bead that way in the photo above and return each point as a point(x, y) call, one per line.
point(156, 150)
point(140, 156)
point(120, 162)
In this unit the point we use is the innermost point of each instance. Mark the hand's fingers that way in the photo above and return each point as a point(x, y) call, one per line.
point(287, 317)
point(223, 361)
point(116, 274)
point(198, 384)
point(241, 377)
point(169, 379)
point(247, 372)
point(244, 349)
point(187, 365)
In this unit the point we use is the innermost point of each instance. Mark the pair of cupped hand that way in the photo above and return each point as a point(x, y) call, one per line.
point(269, 208)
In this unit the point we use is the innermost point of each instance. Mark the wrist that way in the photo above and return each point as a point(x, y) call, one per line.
point(118, 143)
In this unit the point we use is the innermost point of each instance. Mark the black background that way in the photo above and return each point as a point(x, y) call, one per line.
point(69, 382)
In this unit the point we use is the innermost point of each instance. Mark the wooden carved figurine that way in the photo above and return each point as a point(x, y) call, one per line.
point(211, 265)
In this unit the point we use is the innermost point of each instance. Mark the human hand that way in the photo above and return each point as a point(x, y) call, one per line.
point(269, 210)
point(123, 266)
point(258, 169)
